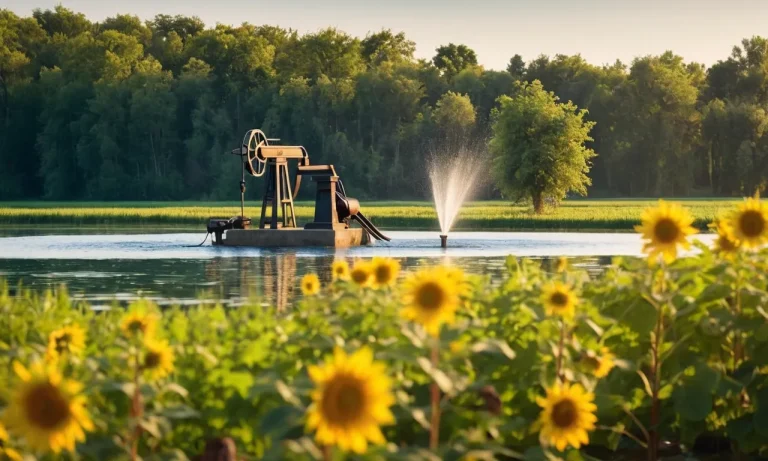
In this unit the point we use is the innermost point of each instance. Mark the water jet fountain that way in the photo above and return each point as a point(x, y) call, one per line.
point(453, 173)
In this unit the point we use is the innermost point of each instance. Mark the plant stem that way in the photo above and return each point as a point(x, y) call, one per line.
point(738, 349)
point(560, 347)
point(327, 453)
point(653, 439)
point(137, 409)
point(434, 428)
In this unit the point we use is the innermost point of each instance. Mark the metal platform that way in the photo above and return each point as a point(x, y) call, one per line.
point(292, 237)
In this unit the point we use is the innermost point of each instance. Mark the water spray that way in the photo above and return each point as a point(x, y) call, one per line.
point(453, 171)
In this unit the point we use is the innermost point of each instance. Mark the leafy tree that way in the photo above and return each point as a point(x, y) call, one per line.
point(128, 25)
point(538, 146)
point(454, 114)
point(452, 59)
point(184, 26)
point(386, 46)
point(735, 137)
point(62, 21)
point(659, 126)
point(328, 52)
point(516, 67)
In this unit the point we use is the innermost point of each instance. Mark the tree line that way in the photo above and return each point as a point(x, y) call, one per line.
point(124, 109)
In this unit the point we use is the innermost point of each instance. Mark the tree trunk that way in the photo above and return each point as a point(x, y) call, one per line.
point(538, 202)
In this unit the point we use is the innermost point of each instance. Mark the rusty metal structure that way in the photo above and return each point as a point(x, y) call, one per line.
point(262, 156)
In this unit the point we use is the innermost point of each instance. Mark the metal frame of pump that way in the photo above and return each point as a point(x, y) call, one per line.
point(333, 209)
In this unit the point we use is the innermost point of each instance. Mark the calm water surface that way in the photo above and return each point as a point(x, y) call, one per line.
point(170, 268)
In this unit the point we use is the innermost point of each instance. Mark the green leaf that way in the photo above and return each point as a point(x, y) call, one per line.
point(281, 420)
point(176, 389)
point(152, 427)
point(443, 381)
point(287, 393)
point(494, 346)
point(761, 334)
point(179, 412)
point(255, 351)
point(760, 418)
point(714, 292)
point(693, 403)
point(241, 381)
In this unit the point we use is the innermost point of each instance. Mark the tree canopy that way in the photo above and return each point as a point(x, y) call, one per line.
point(539, 146)
point(129, 109)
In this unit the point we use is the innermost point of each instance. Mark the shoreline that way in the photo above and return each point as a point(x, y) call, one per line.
point(601, 216)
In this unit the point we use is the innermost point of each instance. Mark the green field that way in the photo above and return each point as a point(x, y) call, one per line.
point(574, 215)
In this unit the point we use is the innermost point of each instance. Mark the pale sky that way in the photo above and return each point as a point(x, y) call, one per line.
point(601, 30)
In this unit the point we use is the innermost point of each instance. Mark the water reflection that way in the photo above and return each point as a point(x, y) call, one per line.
point(171, 268)
point(270, 279)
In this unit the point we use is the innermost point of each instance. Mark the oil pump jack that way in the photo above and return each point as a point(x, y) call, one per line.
point(334, 210)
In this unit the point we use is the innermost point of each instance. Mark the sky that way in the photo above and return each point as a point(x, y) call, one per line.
point(601, 31)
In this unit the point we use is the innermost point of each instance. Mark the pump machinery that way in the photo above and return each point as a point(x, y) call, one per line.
point(334, 210)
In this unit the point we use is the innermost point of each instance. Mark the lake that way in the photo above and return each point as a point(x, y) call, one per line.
point(169, 267)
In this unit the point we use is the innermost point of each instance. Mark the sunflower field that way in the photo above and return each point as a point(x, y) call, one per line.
point(663, 357)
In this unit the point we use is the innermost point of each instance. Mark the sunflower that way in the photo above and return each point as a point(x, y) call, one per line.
point(350, 401)
point(665, 227)
point(384, 271)
point(361, 274)
point(431, 298)
point(5, 451)
point(158, 358)
point(137, 322)
point(599, 364)
point(567, 415)
point(725, 243)
point(458, 278)
point(562, 264)
point(340, 270)
point(46, 409)
point(750, 223)
point(310, 285)
point(559, 299)
point(69, 339)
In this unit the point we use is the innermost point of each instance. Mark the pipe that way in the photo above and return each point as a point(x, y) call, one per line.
point(443, 241)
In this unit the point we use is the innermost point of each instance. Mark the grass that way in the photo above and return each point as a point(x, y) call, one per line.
point(572, 215)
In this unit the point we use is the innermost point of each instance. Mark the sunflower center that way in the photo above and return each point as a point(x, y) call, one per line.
point(383, 273)
point(46, 407)
point(62, 343)
point(430, 296)
point(591, 362)
point(666, 231)
point(343, 400)
point(136, 326)
point(151, 360)
point(559, 299)
point(752, 223)
point(725, 243)
point(359, 276)
point(564, 413)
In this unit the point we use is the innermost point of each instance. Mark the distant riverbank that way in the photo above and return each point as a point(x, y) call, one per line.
point(573, 215)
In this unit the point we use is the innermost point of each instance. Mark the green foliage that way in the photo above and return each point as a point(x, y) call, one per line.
point(538, 146)
point(454, 113)
point(452, 59)
point(368, 108)
point(242, 372)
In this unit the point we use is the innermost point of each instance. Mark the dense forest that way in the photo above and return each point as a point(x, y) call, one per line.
point(126, 109)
